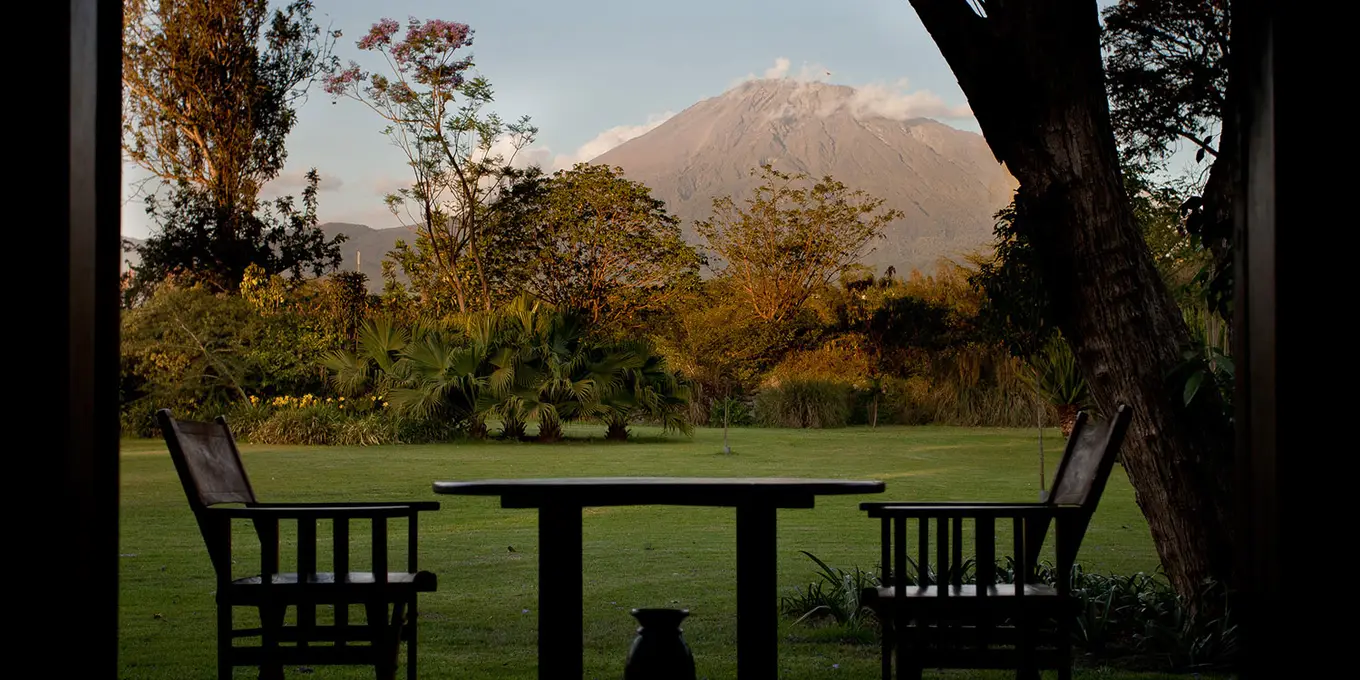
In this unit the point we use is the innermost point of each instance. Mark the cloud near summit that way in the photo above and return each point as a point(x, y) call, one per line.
point(545, 158)
point(783, 70)
point(895, 101)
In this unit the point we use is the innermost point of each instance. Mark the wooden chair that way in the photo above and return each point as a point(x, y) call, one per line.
point(215, 481)
point(939, 621)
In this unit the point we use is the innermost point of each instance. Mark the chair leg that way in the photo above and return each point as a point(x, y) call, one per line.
point(394, 633)
point(909, 636)
point(888, 634)
point(383, 640)
point(271, 620)
point(1065, 649)
point(412, 634)
point(1024, 626)
point(224, 641)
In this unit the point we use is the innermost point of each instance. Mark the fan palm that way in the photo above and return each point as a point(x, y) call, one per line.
point(646, 387)
point(541, 370)
point(440, 378)
point(373, 367)
point(1055, 377)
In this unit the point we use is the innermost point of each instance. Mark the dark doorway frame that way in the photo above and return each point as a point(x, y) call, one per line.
point(82, 279)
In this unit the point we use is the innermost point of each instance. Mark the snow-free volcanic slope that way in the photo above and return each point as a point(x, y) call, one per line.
point(945, 180)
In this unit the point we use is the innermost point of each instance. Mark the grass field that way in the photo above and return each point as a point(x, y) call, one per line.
point(481, 623)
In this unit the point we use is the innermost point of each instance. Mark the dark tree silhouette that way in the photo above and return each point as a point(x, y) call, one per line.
point(1167, 76)
point(1033, 76)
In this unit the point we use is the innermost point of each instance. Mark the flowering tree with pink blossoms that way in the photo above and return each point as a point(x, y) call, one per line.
point(460, 153)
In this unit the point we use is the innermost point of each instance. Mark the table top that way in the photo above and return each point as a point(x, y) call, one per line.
point(779, 492)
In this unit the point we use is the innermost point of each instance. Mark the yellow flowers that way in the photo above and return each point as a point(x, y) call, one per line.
point(311, 400)
point(293, 402)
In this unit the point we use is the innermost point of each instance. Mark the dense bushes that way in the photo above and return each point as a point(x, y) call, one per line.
point(870, 351)
point(903, 353)
point(523, 363)
point(199, 353)
point(325, 423)
point(804, 403)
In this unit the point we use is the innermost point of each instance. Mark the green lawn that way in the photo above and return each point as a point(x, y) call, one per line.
point(481, 623)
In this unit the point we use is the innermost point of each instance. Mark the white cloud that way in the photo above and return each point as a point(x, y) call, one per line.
point(293, 182)
point(609, 139)
point(897, 102)
point(783, 70)
point(780, 68)
point(544, 156)
point(523, 157)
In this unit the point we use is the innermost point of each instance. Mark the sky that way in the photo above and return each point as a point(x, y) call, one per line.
point(595, 73)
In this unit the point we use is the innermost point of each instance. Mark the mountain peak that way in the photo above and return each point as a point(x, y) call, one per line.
point(945, 180)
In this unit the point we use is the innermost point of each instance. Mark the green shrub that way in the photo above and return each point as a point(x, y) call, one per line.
point(803, 403)
point(835, 595)
point(244, 419)
point(369, 429)
point(138, 419)
point(429, 431)
point(308, 425)
point(360, 422)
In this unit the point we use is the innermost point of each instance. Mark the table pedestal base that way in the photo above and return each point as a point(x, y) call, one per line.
point(561, 627)
point(757, 594)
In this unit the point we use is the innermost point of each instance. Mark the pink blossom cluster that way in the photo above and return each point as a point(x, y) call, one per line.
point(433, 37)
point(380, 35)
point(425, 52)
point(336, 82)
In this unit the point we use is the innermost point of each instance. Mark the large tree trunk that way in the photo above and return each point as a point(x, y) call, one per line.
point(1032, 73)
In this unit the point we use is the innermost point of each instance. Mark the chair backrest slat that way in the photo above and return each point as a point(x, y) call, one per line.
point(211, 472)
point(1085, 468)
point(1090, 456)
point(207, 460)
point(1081, 476)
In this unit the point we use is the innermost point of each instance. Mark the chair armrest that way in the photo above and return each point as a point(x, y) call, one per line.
point(964, 510)
point(418, 506)
point(314, 511)
point(930, 503)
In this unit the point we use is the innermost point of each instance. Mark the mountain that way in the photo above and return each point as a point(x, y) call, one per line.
point(945, 180)
point(367, 247)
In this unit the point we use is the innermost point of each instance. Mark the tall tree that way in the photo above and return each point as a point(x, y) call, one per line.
point(210, 95)
point(460, 154)
point(792, 236)
point(1033, 76)
point(606, 247)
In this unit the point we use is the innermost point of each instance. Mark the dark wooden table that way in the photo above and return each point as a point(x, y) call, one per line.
point(559, 503)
